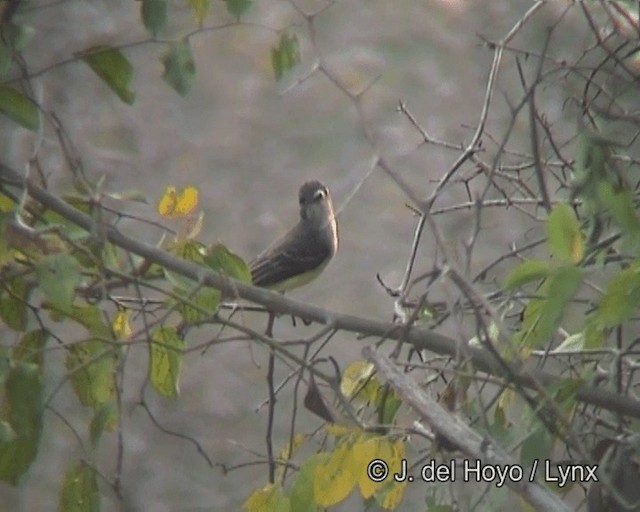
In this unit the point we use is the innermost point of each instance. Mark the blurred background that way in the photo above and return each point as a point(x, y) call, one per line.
point(247, 142)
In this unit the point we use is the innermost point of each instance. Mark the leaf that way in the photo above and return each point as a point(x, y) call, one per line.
point(301, 493)
point(121, 326)
point(222, 260)
point(113, 68)
point(269, 498)
point(200, 9)
point(392, 492)
point(536, 446)
point(105, 418)
point(334, 477)
point(543, 316)
point(14, 39)
point(90, 317)
point(174, 205)
point(286, 55)
point(238, 7)
point(179, 67)
point(564, 235)
point(17, 107)
point(621, 298)
point(30, 347)
point(58, 275)
point(364, 450)
point(22, 408)
point(526, 272)
point(79, 490)
point(575, 343)
point(154, 15)
point(13, 303)
point(355, 378)
point(622, 209)
point(92, 367)
point(166, 361)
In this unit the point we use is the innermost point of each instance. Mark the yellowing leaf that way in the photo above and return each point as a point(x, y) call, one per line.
point(355, 376)
point(365, 450)
point(121, 326)
point(91, 365)
point(166, 361)
point(334, 476)
point(174, 205)
point(80, 489)
point(392, 493)
point(200, 9)
point(564, 235)
point(339, 430)
point(268, 499)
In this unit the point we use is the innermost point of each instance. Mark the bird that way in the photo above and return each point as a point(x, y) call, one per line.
point(302, 253)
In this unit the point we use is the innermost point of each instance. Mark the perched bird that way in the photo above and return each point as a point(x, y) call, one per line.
point(304, 251)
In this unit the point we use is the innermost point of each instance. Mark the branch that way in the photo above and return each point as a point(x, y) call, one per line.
point(456, 431)
point(421, 338)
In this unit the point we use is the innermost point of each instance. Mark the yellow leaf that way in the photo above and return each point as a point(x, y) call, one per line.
point(337, 431)
point(392, 452)
point(334, 477)
point(121, 326)
point(173, 205)
point(270, 498)
point(187, 201)
point(167, 203)
point(364, 451)
point(355, 378)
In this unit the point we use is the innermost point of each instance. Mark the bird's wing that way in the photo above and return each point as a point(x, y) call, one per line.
point(295, 253)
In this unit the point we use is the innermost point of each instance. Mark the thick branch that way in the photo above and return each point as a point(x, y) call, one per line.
point(456, 431)
point(420, 337)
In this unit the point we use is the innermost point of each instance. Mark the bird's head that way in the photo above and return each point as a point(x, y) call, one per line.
point(315, 202)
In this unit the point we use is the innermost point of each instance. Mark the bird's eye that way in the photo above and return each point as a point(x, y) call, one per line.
point(319, 194)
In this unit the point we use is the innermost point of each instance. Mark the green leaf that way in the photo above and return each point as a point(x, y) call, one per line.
point(179, 67)
point(543, 316)
point(621, 299)
point(105, 418)
point(166, 361)
point(223, 260)
point(13, 303)
point(238, 7)
point(90, 317)
point(79, 490)
point(22, 408)
point(286, 55)
point(154, 15)
point(200, 9)
point(114, 68)
point(301, 493)
point(58, 275)
point(536, 446)
point(92, 367)
point(527, 271)
point(622, 209)
point(30, 347)
point(7, 434)
point(564, 235)
point(14, 39)
point(17, 107)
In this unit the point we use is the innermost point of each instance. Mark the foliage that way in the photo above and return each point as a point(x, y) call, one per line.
point(564, 307)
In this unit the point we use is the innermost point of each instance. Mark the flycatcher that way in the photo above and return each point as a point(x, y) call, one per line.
point(304, 251)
